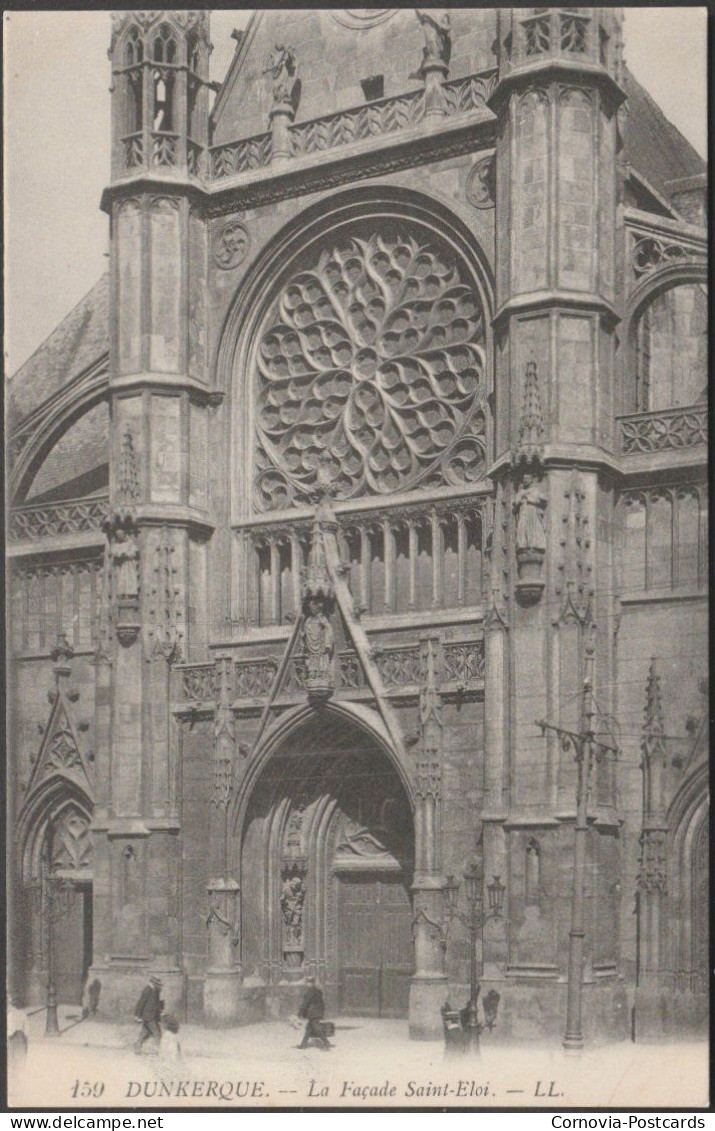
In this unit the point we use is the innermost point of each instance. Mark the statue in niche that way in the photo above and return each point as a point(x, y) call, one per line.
point(529, 507)
point(292, 901)
point(319, 641)
point(359, 840)
point(125, 555)
point(438, 36)
point(282, 66)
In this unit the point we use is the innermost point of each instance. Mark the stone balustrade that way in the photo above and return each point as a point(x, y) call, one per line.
point(400, 668)
point(380, 118)
point(664, 430)
point(45, 520)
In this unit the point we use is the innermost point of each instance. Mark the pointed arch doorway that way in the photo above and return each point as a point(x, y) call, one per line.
point(57, 883)
point(327, 861)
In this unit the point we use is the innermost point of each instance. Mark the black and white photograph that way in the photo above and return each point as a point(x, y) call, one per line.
point(356, 422)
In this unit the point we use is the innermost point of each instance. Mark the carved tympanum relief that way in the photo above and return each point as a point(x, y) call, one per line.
point(371, 362)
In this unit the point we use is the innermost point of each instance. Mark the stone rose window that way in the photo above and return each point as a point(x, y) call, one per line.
point(371, 363)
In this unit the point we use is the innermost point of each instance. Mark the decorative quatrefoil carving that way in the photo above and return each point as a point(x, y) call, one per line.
point(371, 363)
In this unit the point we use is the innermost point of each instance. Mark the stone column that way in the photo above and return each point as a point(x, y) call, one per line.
point(435, 74)
point(281, 118)
point(429, 983)
point(555, 325)
point(222, 984)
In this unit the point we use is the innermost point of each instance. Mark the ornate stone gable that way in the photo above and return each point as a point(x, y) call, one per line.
point(372, 359)
point(61, 752)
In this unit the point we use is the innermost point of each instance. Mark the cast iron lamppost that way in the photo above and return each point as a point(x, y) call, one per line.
point(474, 920)
point(51, 899)
point(587, 749)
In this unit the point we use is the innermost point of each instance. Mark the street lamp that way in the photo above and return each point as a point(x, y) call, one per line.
point(587, 749)
point(474, 920)
point(51, 898)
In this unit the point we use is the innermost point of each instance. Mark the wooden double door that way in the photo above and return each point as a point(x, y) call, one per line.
point(375, 951)
point(72, 944)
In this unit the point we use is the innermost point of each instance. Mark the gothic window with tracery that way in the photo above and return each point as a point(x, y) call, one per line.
point(164, 45)
point(133, 58)
point(372, 361)
point(133, 47)
point(665, 538)
point(164, 51)
point(671, 349)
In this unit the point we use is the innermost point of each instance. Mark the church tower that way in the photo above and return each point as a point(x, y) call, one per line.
point(557, 148)
point(157, 523)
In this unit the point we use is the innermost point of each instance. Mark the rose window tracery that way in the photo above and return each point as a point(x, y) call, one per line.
point(371, 364)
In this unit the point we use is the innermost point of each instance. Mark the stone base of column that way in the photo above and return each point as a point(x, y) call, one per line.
point(427, 996)
point(228, 1002)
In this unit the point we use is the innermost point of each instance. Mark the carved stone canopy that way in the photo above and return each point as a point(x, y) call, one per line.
point(189, 20)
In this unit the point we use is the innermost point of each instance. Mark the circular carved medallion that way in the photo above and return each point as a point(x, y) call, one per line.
point(480, 183)
point(360, 18)
point(230, 245)
point(371, 363)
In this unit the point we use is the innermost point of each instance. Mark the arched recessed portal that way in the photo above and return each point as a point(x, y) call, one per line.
point(327, 860)
point(57, 888)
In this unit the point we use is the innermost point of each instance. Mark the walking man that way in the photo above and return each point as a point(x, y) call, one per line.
point(148, 1012)
point(312, 1008)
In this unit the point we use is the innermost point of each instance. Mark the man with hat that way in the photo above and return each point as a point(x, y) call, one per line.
point(148, 1012)
point(312, 1008)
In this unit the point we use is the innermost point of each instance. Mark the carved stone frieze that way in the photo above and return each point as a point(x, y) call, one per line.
point(399, 667)
point(199, 682)
point(254, 678)
point(264, 193)
point(464, 663)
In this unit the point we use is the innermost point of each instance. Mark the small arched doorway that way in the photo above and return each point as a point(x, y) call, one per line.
point(57, 889)
point(327, 860)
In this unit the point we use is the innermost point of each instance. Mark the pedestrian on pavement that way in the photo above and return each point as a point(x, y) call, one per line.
point(312, 1008)
point(169, 1047)
point(148, 1011)
point(16, 1036)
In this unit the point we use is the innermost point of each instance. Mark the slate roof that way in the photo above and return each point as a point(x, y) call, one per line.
point(78, 342)
point(654, 146)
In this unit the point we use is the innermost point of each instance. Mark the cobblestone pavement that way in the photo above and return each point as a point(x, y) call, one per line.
point(92, 1064)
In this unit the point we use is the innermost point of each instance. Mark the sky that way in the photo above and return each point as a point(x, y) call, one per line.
point(57, 135)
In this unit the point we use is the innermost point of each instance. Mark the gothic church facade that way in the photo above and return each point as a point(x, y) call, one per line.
point(388, 415)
